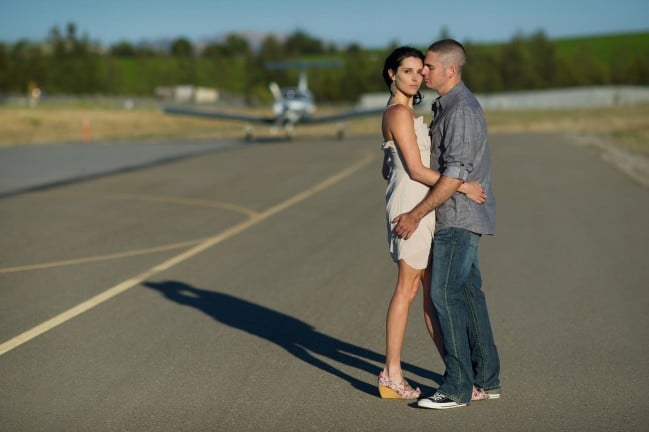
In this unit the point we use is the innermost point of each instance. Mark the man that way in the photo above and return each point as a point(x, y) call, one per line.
point(460, 151)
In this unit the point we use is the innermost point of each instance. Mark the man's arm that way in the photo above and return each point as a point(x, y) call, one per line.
point(406, 223)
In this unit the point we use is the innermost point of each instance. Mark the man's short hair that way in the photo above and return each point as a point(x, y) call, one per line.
point(451, 52)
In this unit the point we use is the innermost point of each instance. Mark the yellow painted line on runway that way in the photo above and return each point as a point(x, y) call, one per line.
point(125, 254)
point(152, 198)
point(85, 260)
point(186, 201)
point(208, 243)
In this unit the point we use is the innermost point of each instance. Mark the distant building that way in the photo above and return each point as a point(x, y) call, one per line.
point(187, 94)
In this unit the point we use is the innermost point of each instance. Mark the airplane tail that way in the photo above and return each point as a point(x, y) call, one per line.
point(303, 65)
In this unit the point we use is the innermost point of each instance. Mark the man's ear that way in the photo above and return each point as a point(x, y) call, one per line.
point(452, 70)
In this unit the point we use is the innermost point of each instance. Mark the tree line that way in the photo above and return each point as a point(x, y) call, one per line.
point(70, 64)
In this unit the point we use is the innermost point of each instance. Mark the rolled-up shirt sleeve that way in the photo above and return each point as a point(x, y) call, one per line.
point(458, 156)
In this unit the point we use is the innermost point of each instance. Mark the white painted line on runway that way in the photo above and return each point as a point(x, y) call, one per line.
point(208, 243)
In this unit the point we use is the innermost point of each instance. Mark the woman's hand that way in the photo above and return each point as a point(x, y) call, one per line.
point(474, 191)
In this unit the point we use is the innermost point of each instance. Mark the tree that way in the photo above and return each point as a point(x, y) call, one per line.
point(143, 51)
point(482, 73)
point(67, 63)
point(517, 72)
point(123, 49)
point(543, 61)
point(629, 69)
point(4, 68)
point(300, 43)
point(212, 51)
point(638, 72)
point(444, 33)
point(271, 49)
point(362, 73)
point(181, 48)
point(236, 46)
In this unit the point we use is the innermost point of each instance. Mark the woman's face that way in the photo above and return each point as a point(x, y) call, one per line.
point(408, 77)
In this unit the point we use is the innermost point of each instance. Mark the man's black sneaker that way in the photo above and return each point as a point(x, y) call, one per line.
point(438, 401)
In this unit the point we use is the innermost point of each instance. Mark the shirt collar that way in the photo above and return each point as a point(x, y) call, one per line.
point(449, 97)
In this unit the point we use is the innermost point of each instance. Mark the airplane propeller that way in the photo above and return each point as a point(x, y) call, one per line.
point(275, 90)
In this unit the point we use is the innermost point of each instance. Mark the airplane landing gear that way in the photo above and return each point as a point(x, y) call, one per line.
point(290, 132)
point(249, 132)
point(340, 131)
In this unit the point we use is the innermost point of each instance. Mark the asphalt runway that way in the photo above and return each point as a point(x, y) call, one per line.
point(37, 167)
point(246, 290)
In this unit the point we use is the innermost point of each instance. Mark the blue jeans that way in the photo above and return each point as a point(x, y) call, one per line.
point(470, 353)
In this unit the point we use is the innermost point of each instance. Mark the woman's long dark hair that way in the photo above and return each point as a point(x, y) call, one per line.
point(393, 61)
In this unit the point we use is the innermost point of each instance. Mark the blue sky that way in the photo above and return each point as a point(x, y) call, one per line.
point(369, 23)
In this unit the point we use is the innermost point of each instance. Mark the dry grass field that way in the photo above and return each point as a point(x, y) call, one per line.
point(624, 126)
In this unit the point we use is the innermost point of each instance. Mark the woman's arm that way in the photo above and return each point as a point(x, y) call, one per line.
point(399, 122)
point(399, 128)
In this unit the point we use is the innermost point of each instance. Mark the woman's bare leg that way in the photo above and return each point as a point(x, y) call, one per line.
point(408, 282)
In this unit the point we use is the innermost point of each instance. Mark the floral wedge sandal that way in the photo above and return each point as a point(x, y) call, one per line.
point(389, 389)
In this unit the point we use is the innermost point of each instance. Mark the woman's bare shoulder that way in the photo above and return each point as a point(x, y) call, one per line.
point(398, 111)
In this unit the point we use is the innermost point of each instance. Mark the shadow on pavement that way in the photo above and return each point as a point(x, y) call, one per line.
point(295, 336)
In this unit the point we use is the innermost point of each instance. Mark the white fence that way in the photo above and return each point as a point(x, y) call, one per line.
point(577, 97)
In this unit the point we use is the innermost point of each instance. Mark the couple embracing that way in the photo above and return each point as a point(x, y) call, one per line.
point(438, 205)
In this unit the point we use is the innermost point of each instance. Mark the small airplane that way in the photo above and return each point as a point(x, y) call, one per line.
point(291, 106)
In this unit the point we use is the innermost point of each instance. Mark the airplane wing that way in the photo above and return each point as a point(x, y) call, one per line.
point(272, 120)
point(286, 121)
point(269, 120)
point(340, 116)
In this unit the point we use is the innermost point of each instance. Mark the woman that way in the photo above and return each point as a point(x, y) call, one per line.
point(406, 167)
